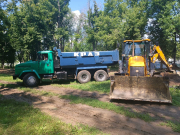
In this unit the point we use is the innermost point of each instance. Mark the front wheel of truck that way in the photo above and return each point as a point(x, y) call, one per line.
point(30, 80)
point(84, 76)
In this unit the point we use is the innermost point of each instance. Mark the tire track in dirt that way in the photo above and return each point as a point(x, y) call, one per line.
point(107, 121)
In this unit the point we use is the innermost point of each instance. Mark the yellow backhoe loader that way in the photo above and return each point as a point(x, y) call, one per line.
point(137, 79)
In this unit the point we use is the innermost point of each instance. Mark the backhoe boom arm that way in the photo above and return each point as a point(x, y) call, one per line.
point(158, 54)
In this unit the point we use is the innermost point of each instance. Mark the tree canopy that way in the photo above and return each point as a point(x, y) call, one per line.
point(35, 25)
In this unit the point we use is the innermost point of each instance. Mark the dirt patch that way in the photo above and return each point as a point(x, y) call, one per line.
point(107, 121)
point(174, 79)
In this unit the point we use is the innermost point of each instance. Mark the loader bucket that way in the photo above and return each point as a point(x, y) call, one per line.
point(153, 89)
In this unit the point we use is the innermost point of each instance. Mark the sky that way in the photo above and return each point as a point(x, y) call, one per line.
point(82, 5)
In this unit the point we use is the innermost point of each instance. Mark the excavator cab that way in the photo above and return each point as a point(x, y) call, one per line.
point(138, 49)
point(134, 81)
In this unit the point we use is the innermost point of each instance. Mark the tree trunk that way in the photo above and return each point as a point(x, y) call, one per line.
point(61, 42)
point(63, 45)
point(93, 46)
point(174, 51)
point(58, 20)
point(2, 64)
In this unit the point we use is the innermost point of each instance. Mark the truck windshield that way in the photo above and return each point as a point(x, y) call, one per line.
point(42, 56)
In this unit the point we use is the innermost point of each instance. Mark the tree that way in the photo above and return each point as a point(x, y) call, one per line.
point(6, 51)
point(61, 28)
point(165, 16)
point(121, 20)
point(91, 28)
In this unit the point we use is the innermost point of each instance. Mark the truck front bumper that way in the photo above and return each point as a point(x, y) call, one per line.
point(15, 76)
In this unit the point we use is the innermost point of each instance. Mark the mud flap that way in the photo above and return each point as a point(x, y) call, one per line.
point(153, 89)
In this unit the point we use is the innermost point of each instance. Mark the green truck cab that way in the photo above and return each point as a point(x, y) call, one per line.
point(31, 72)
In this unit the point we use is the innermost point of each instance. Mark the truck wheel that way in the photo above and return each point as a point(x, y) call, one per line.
point(30, 80)
point(100, 76)
point(84, 76)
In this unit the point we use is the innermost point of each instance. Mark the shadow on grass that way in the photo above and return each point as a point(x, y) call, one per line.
point(13, 112)
point(20, 96)
point(56, 81)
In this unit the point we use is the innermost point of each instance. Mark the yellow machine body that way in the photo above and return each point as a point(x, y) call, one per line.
point(136, 83)
point(137, 61)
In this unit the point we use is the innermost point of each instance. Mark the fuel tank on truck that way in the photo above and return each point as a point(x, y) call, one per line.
point(85, 59)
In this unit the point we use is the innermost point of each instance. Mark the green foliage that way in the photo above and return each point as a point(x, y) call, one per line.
point(121, 20)
point(19, 118)
point(63, 19)
point(91, 28)
point(175, 93)
point(165, 25)
point(7, 53)
point(42, 24)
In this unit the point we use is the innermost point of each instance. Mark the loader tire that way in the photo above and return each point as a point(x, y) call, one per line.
point(84, 76)
point(100, 76)
point(30, 80)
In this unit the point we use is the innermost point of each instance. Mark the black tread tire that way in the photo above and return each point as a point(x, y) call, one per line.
point(80, 76)
point(103, 77)
point(27, 83)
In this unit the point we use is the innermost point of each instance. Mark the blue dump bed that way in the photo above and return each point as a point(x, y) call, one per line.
point(86, 59)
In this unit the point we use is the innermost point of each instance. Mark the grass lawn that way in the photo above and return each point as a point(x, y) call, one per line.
point(9, 78)
point(101, 87)
point(175, 93)
point(19, 118)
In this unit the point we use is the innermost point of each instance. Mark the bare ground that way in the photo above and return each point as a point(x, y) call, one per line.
point(107, 121)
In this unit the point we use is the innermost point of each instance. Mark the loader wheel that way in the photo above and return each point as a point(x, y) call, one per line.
point(84, 76)
point(100, 76)
point(30, 80)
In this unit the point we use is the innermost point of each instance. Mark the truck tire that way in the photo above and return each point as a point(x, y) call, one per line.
point(100, 76)
point(30, 80)
point(84, 76)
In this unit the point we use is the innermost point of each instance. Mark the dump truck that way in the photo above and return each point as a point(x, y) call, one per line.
point(137, 78)
point(66, 65)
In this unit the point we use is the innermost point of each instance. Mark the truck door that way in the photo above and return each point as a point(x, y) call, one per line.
point(45, 65)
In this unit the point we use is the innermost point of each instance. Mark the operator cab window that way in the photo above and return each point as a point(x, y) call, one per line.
point(139, 49)
point(128, 48)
